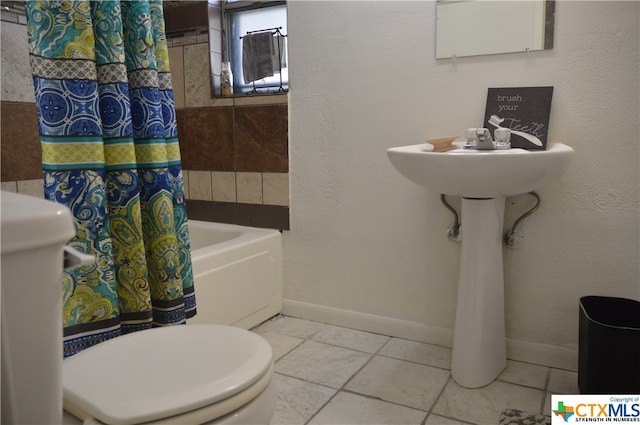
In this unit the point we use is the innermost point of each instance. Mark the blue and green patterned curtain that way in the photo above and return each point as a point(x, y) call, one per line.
point(110, 153)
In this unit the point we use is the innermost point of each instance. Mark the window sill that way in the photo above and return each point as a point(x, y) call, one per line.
point(249, 100)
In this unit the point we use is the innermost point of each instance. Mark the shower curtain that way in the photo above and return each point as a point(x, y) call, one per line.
point(110, 153)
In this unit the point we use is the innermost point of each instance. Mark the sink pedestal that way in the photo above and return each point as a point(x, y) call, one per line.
point(479, 350)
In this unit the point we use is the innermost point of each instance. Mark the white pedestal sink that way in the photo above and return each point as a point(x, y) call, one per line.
point(483, 179)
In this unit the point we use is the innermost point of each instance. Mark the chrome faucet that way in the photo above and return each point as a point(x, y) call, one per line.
point(479, 138)
point(483, 139)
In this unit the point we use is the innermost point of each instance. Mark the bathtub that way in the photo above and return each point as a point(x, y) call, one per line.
point(237, 273)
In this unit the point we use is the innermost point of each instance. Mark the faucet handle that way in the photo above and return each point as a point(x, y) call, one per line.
point(471, 140)
point(503, 138)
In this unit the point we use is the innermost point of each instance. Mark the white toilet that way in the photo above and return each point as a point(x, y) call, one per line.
point(192, 374)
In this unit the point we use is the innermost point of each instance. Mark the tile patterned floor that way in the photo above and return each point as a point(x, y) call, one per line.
point(327, 374)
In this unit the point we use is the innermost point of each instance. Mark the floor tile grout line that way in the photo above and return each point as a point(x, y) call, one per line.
point(289, 351)
point(377, 354)
point(311, 339)
point(342, 388)
point(531, 387)
point(435, 401)
point(547, 380)
point(338, 390)
point(386, 356)
point(363, 366)
point(376, 398)
point(369, 396)
point(321, 407)
point(418, 342)
point(546, 390)
point(297, 378)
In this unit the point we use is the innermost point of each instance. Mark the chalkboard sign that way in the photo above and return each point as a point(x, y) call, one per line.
point(523, 110)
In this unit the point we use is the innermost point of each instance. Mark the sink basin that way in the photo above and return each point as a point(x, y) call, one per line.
point(474, 173)
point(483, 179)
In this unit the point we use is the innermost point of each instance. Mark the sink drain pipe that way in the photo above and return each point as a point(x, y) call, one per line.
point(453, 233)
point(509, 237)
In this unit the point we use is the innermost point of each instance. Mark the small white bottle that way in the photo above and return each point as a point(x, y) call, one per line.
point(226, 80)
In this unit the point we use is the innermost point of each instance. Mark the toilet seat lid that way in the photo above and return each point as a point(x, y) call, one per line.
point(161, 372)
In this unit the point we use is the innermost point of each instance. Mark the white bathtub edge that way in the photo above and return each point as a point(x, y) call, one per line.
point(238, 281)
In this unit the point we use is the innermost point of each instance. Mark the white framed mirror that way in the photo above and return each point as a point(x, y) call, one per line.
point(485, 27)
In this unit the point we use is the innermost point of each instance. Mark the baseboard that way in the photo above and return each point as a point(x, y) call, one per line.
point(369, 322)
point(542, 354)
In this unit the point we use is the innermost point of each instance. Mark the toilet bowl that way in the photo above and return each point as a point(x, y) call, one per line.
point(183, 374)
point(191, 374)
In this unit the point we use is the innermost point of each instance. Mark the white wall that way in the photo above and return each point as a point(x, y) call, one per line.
point(368, 248)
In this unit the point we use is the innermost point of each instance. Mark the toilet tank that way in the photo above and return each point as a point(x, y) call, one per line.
point(32, 234)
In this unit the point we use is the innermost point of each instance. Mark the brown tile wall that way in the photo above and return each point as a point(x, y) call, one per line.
point(240, 138)
point(236, 139)
point(183, 17)
point(20, 150)
point(261, 137)
point(206, 135)
point(266, 216)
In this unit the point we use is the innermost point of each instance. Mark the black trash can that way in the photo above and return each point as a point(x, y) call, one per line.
point(609, 346)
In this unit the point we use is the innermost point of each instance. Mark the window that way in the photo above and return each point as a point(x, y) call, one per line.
point(240, 18)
